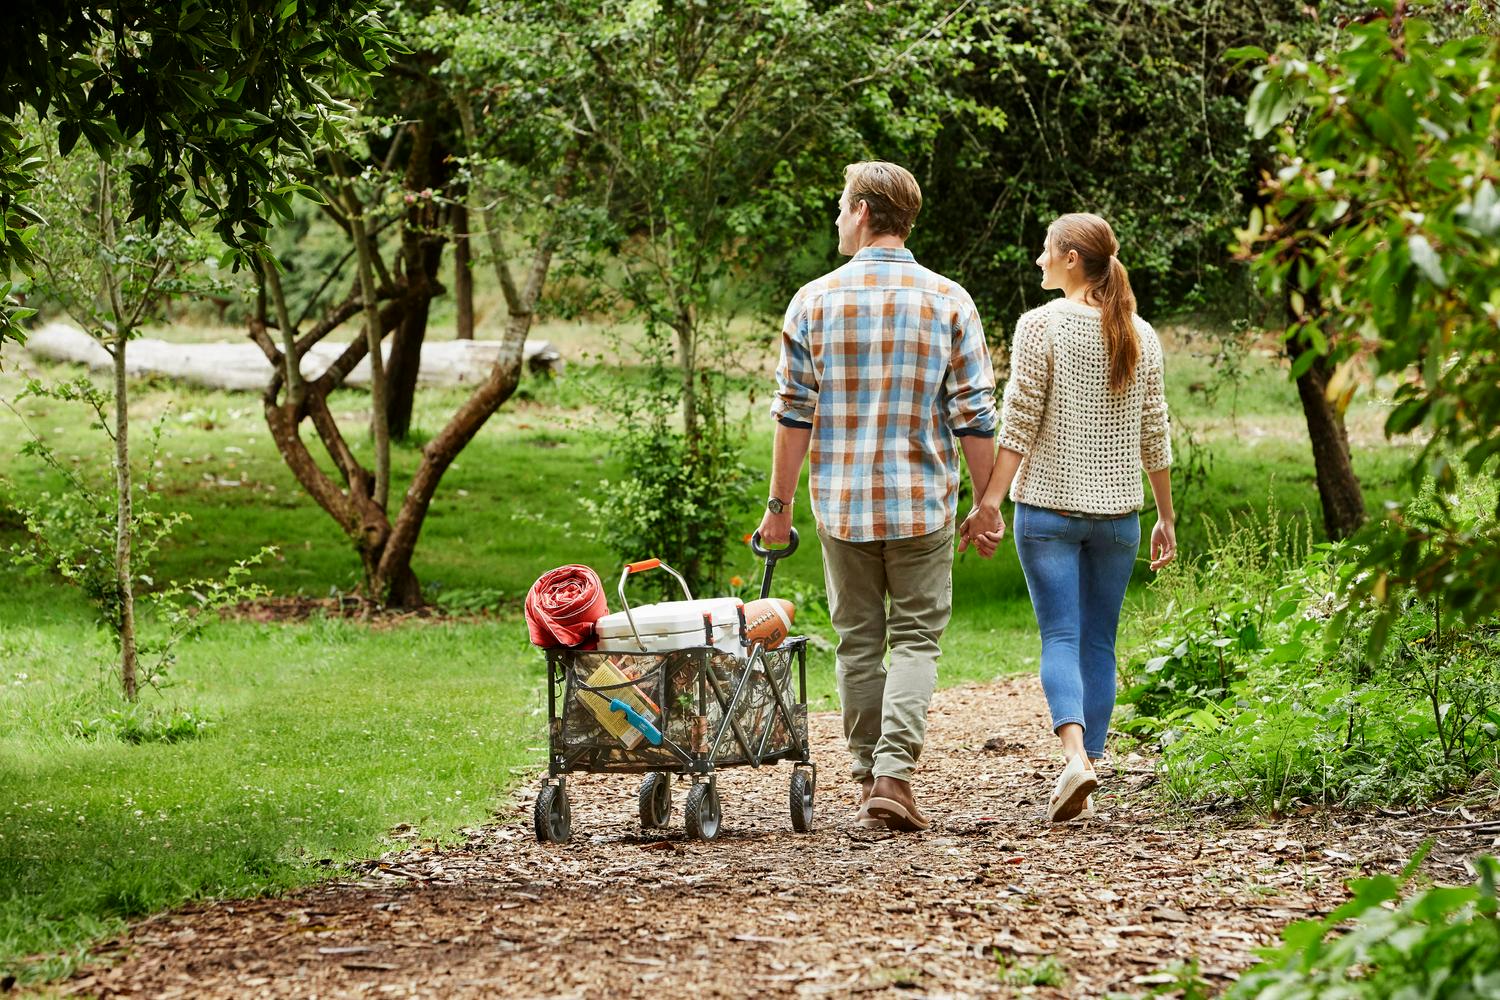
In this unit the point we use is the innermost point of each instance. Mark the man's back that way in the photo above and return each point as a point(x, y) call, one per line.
point(885, 361)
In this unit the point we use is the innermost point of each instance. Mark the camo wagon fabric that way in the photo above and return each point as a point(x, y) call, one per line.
point(683, 693)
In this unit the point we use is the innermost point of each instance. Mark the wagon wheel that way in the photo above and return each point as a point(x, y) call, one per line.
point(551, 816)
point(656, 800)
point(801, 801)
point(701, 811)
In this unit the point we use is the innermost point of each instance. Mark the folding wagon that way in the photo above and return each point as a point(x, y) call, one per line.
point(720, 699)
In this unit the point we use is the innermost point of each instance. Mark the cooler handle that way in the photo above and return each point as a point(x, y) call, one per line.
point(641, 567)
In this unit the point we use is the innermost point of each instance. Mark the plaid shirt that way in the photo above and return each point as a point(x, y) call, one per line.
point(885, 361)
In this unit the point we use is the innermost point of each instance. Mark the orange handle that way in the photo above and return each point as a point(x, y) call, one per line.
point(642, 566)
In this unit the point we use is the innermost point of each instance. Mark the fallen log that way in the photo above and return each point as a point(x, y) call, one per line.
point(242, 367)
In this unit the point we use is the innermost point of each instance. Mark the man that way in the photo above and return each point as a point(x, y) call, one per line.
point(883, 364)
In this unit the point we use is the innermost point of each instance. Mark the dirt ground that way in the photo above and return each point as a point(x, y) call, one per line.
point(987, 901)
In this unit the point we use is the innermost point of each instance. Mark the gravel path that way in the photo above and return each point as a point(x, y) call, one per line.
point(991, 901)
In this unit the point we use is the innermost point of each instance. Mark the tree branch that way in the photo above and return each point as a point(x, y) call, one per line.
point(497, 250)
point(379, 427)
point(290, 356)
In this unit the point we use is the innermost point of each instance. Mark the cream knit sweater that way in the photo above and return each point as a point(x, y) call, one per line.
point(1083, 447)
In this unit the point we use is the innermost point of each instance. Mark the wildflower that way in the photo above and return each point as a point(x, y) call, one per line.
point(735, 581)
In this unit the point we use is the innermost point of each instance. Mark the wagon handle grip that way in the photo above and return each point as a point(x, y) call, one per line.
point(642, 566)
point(761, 552)
point(770, 556)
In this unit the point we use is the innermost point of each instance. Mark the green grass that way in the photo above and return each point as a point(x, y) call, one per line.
point(324, 736)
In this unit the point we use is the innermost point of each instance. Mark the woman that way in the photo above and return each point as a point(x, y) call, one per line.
point(1084, 411)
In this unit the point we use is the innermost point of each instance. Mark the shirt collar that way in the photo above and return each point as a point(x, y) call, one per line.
point(884, 253)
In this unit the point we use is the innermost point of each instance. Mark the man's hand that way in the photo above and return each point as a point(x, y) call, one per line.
point(983, 529)
point(776, 529)
point(1163, 544)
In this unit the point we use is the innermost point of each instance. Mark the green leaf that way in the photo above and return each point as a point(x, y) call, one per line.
point(1303, 363)
point(1426, 259)
point(1270, 103)
point(68, 133)
point(1244, 53)
point(1407, 416)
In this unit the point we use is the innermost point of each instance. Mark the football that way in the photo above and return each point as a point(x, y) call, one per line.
point(768, 621)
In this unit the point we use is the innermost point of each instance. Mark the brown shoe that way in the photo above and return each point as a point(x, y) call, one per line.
point(891, 802)
point(862, 819)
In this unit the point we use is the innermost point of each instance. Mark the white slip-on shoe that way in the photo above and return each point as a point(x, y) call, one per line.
point(1074, 786)
point(1087, 812)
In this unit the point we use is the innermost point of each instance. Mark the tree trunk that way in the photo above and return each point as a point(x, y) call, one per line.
point(124, 523)
point(421, 255)
point(386, 544)
point(687, 354)
point(124, 509)
point(407, 340)
point(395, 577)
point(463, 278)
point(379, 397)
point(1338, 487)
point(395, 571)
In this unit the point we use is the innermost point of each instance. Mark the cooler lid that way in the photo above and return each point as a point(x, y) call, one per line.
point(671, 617)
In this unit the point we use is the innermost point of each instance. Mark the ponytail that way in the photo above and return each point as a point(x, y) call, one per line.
point(1094, 241)
point(1121, 345)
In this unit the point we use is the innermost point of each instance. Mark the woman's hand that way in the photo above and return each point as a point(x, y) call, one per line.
point(1163, 543)
point(983, 529)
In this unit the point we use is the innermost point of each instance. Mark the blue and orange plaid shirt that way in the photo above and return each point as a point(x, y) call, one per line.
point(886, 362)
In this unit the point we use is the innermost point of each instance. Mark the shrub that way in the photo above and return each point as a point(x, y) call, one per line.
point(133, 722)
point(682, 498)
point(1440, 944)
point(1259, 690)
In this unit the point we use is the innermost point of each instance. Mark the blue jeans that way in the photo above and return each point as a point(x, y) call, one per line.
point(1077, 569)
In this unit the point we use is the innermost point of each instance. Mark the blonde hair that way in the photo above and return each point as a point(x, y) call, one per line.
point(1094, 241)
point(890, 191)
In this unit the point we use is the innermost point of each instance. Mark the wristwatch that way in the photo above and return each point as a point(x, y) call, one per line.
point(776, 505)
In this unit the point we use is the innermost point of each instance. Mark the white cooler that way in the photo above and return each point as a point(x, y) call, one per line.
point(675, 625)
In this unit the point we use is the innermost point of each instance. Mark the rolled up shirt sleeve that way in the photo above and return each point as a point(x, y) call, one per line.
point(1025, 399)
point(1156, 435)
point(796, 377)
point(970, 386)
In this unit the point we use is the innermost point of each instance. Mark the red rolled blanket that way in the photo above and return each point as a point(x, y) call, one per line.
point(563, 606)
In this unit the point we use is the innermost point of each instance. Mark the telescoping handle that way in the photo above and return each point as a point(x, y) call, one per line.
point(771, 556)
point(641, 567)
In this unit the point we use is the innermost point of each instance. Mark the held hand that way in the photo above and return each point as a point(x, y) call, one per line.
point(776, 529)
point(983, 529)
point(988, 543)
point(964, 538)
point(1163, 544)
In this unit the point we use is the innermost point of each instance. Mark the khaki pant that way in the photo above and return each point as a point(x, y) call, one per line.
point(897, 592)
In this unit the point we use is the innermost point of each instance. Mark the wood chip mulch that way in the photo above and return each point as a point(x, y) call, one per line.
point(294, 610)
point(973, 907)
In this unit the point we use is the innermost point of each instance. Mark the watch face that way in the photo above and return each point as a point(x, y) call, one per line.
point(775, 506)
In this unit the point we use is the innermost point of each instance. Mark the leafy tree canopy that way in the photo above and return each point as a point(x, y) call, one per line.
point(216, 94)
point(1382, 230)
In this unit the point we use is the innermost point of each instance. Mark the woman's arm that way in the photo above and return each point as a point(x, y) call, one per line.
point(1156, 453)
point(985, 527)
point(1164, 534)
point(1024, 403)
